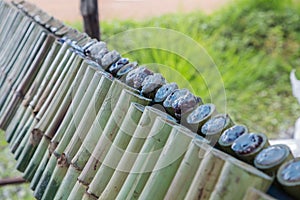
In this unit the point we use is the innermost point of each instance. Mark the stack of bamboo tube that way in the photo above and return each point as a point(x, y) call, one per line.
point(77, 132)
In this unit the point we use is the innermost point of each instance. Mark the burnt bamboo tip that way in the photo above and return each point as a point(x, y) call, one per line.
point(151, 84)
point(136, 77)
point(163, 92)
point(114, 68)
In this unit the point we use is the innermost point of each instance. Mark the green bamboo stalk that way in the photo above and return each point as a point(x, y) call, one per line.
point(53, 85)
point(52, 162)
point(253, 193)
point(60, 170)
point(89, 117)
point(31, 75)
point(120, 143)
point(77, 90)
point(68, 184)
point(39, 154)
point(24, 141)
point(21, 125)
point(32, 166)
point(11, 129)
point(90, 141)
point(88, 196)
point(143, 164)
point(50, 73)
point(39, 171)
point(236, 176)
point(207, 175)
point(45, 68)
point(78, 191)
point(137, 140)
point(37, 135)
point(167, 164)
point(109, 133)
point(187, 169)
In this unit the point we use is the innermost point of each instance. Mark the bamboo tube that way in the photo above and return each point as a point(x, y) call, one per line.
point(253, 193)
point(45, 177)
point(37, 158)
point(68, 184)
point(236, 176)
point(23, 49)
point(50, 73)
point(11, 129)
point(22, 135)
point(89, 116)
point(229, 136)
point(167, 164)
point(52, 162)
point(38, 155)
point(20, 126)
point(9, 93)
point(215, 126)
point(207, 175)
point(109, 133)
point(45, 68)
point(78, 191)
point(37, 135)
point(23, 87)
point(288, 176)
point(121, 74)
point(247, 146)
point(39, 171)
point(53, 84)
point(270, 158)
point(21, 147)
point(121, 141)
point(129, 156)
point(187, 169)
point(127, 127)
point(61, 169)
point(90, 141)
point(143, 164)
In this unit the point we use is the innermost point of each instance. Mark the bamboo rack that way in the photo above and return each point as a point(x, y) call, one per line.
point(80, 132)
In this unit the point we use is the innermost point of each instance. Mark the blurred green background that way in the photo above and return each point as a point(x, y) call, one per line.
point(254, 43)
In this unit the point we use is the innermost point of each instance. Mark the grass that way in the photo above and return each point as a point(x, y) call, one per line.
point(254, 45)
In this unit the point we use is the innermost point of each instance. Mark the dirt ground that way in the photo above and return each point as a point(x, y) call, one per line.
point(68, 10)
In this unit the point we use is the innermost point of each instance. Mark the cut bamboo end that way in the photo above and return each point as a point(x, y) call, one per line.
point(270, 158)
point(247, 146)
point(288, 176)
point(253, 193)
point(229, 136)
